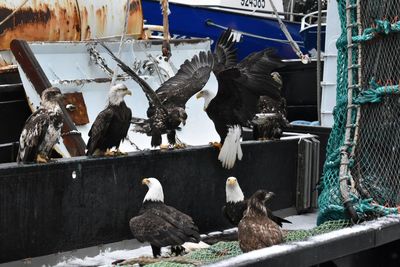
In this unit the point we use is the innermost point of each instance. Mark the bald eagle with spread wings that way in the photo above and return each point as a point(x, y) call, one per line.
point(167, 104)
point(111, 124)
point(42, 129)
point(162, 225)
point(239, 87)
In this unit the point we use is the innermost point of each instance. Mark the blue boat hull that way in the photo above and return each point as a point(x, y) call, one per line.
point(188, 21)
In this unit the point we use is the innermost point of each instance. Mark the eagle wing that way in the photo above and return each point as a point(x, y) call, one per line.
point(255, 73)
point(164, 227)
point(33, 134)
point(99, 129)
point(225, 52)
point(190, 79)
point(244, 83)
point(150, 94)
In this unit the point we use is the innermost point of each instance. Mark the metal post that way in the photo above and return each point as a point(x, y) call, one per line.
point(319, 61)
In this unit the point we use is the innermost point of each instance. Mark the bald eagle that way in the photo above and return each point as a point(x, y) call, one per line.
point(239, 88)
point(42, 129)
point(112, 124)
point(236, 205)
point(167, 104)
point(162, 225)
point(256, 230)
point(271, 116)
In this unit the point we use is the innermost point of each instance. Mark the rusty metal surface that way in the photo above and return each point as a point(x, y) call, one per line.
point(67, 20)
point(76, 107)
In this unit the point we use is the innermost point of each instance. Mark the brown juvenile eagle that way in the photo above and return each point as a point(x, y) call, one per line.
point(270, 118)
point(256, 230)
point(42, 129)
point(162, 225)
point(112, 124)
point(236, 204)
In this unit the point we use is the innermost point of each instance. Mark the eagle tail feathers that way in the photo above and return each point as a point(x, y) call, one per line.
point(231, 148)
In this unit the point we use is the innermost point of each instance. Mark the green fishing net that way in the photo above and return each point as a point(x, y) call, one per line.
point(373, 177)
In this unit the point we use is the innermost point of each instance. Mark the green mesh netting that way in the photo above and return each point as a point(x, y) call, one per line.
point(224, 250)
point(373, 176)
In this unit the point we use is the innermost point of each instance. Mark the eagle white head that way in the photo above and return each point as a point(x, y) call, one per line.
point(207, 95)
point(155, 192)
point(117, 93)
point(233, 191)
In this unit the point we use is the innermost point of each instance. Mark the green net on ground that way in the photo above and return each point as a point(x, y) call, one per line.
point(224, 250)
point(362, 170)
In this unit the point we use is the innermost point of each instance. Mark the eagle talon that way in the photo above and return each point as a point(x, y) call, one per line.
point(216, 145)
point(164, 146)
point(120, 153)
point(180, 146)
point(40, 158)
point(109, 153)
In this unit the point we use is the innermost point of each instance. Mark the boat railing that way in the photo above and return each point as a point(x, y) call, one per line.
point(311, 20)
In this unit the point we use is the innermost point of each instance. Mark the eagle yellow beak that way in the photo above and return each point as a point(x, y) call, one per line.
point(128, 92)
point(231, 181)
point(199, 94)
point(145, 181)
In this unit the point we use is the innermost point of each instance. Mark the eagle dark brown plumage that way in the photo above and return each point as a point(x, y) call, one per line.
point(256, 230)
point(162, 225)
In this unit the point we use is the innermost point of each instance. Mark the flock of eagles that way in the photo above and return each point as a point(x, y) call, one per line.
point(249, 95)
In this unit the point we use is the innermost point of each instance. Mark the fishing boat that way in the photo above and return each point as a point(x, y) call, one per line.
point(254, 22)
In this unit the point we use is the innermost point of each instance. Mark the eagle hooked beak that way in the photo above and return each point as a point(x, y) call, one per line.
point(183, 121)
point(145, 181)
point(199, 94)
point(268, 196)
point(231, 181)
point(128, 92)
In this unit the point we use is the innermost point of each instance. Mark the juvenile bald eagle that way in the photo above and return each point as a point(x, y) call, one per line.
point(271, 116)
point(112, 124)
point(256, 230)
point(162, 225)
point(42, 129)
point(236, 205)
point(167, 104)
point(239, 88)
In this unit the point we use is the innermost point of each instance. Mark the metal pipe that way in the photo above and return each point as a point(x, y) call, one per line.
point(319, 61)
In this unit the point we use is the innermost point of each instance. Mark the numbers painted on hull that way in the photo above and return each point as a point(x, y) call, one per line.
point(253, 3)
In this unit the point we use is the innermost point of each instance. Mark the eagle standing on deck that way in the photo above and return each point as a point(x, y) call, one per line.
point(256, 230)
point(167, 104)
point(42, 129)
point(271, 116)
point(112, 124)
point(236, 205)
point(239, 88)
point(162, 225)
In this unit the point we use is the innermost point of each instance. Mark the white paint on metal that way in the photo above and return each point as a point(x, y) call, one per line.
point(333, 31)
point(71, 61)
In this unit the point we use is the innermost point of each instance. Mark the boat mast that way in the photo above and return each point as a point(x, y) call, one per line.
point(166, 48)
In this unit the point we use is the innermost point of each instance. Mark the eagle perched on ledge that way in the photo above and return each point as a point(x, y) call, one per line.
point(167, 104)
point(112, 124)
point(256, 230)
point(162, 225)
point(42, 129)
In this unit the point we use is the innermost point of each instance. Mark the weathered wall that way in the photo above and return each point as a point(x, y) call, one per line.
point(44, 210)
point(66, 20)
